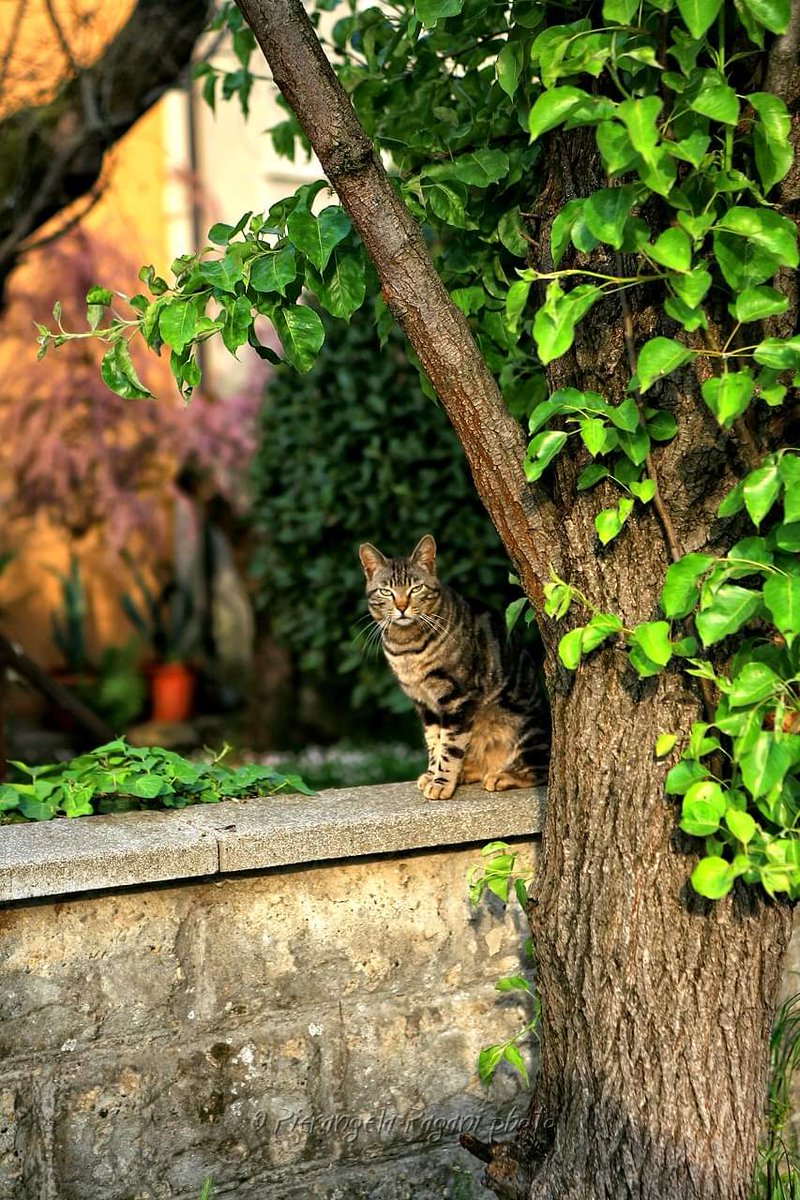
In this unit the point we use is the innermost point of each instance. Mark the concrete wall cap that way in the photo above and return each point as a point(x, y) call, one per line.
point(63, 856)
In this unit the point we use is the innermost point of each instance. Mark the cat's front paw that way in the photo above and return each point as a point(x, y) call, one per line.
point(424, 780)
point(438, 789)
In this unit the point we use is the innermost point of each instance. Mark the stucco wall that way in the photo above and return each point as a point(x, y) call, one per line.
point(296, 1031)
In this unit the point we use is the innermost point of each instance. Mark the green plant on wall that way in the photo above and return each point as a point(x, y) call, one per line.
point(118, 777)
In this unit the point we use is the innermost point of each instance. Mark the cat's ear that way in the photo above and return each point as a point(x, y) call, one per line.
point(371, 559)
point(424, 554)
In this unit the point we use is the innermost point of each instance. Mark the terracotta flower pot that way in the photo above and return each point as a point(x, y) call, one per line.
point(171, 691)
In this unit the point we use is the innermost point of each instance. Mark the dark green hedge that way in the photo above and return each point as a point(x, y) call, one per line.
point(351, 452)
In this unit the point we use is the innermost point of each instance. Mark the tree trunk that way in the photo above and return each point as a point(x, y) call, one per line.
point(656, 1005)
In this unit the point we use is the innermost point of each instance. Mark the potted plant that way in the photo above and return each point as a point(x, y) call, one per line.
point(110, 685)
point(164, 618)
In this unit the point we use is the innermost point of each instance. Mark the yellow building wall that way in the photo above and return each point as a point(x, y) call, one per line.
point(130, 214)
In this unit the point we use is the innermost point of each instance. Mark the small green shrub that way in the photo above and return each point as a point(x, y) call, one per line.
point(778, 1164)
point(118, 777)
point(353, 451)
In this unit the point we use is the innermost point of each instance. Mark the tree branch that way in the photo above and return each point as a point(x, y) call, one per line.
point(492, 440)
point(52, 154)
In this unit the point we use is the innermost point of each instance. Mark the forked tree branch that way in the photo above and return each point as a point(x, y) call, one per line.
point(52, 154)
point(492, 440)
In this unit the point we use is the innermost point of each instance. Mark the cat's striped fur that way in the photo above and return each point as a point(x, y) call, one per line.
point(482, 706)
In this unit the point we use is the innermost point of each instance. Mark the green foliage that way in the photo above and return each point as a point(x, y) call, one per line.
point(163, 618)
point(777, 1175)
point(118, 777)
point(496, 875)
point(341, 461)
point(69, 634)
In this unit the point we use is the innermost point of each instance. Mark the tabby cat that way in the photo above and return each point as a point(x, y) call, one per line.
point(483, 710)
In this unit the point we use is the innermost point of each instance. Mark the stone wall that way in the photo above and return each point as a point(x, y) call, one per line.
point(290, 1030)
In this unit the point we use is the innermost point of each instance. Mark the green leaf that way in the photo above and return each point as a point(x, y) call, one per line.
point(447, 201)
point(301, 333)
point(766, 762)
point(768, 230)
point(569, 648)
point(316, 236)
point(760, 490)
point(562, 228)
point(488, 1060)
point(178, 320)
point(659, 357)
point(682, 776)
point(716, 100)
point(754, 304)
point(754, 683)
point(615, 146)
point(730, 608)
point(595, 436)
point(665, 742)
point(772, 14)
point(431, 11)
point(653, 639)
point(672, 249)
point(728, 395)
point(119, 374)
point(783, 354)
point(782, 598)
point(741, 825)
point(712, 877)
point(608, 523)
point(601, 627)
point(789, 470)
point(512, 1056)
point(591, 475)
point(743, 265)
point(554, 323)
point(541, 451)
point(344, 286)
point(274, 271)
point(479, 168)
point(508, 66)
point(698, 15)
point(698, 818)
point(644, 491)
point(620, 12)
point(606, 212)
point(773, 149)
point(639, 118)
point(787, 537)
point(662, 426)
point(552, 107)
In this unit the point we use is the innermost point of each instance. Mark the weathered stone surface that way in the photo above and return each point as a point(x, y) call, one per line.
point(65, 857)
point(300, 1032)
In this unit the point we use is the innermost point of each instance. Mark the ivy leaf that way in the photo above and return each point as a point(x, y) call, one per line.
point(782, 598)
point(479, 168)
point(789, 470)
point(553, 107)
point(698, 14)
point(508, 66)
point(119, 374)
point(659, 357)
point(783, 354)
point(606, 212)
point(754, 683)
point(672, 249)
point(569, 648)
point(680, 594)
point(541, 451)
point(773, 150)
point(343, 288)
point(728, 395)
point(772, 14)
point(713, 877)
point(652, 637)
point(754, 304)
point(554, 323)
point(760, 490)
point(766, 229)
point(742, 265)
point(765, 763)
point(665, 742)
point(729, 610)
point(716, 100)
point(178, 319)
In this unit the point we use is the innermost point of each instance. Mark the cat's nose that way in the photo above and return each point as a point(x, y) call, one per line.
point(402, 605)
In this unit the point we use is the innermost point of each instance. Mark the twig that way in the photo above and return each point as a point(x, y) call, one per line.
point(15, 659)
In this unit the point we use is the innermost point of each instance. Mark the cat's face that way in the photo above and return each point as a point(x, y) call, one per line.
point(401, 591)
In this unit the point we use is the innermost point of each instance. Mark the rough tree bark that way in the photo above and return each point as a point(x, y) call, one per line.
point(52, 154)
point(656, 1005)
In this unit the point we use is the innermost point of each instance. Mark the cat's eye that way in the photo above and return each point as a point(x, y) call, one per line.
point(418, 587)
point(384, 591)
